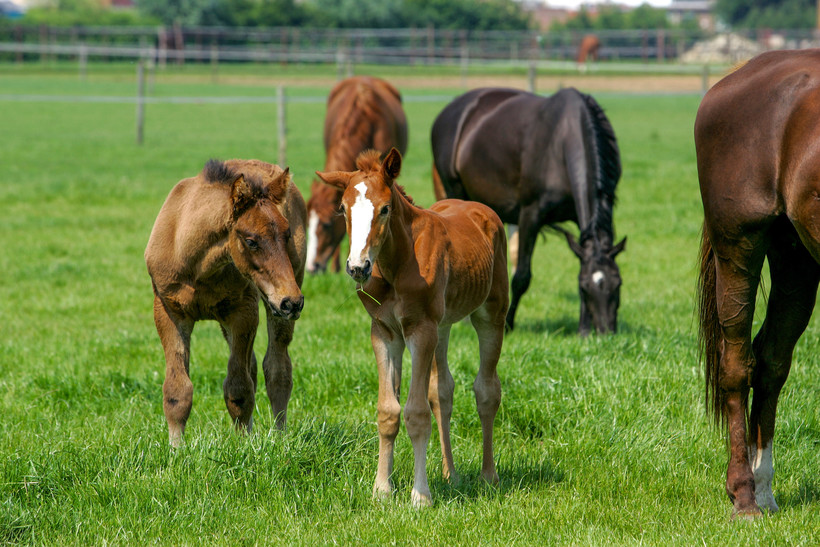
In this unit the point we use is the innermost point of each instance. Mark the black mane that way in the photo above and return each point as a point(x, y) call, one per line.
point(608, 167)
point(216, 171)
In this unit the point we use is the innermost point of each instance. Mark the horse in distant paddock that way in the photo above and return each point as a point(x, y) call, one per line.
point(362, 113)
point(233, 234)
point(537, 161)
point(420, 272)
point(756, 136)
point(588, 50)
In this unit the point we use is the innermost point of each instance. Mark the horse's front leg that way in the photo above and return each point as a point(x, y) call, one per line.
point(388, 348)
point(177, 389)
point(527, 235)
point(422, 340)
point(238, 389)
point(277, 367)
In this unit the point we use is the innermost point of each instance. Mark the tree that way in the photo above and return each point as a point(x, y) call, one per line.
point(777, 14)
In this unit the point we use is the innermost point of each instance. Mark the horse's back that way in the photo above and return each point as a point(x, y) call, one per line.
point(367, 110)
point(751, 133)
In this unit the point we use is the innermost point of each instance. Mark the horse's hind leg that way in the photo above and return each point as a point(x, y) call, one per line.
point(440, 396)
point(177, 389)
point(737, 269)
point(238, 388)
point(489, 326)
point(278, 368)
point(794, 275)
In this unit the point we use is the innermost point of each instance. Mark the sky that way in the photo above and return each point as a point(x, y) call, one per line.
point(574, 4)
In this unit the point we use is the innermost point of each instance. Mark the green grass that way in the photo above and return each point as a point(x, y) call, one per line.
point(598, 441)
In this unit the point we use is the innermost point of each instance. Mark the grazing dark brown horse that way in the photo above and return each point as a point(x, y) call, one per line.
point(421, 271)
point(537, 161)
point(756, 136)
point(362, 113)
point(223, 239)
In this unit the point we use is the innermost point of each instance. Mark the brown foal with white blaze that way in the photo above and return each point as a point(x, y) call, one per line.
point(421, 271)
point(223, 239)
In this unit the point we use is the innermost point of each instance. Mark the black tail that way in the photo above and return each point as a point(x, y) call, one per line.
point(709, 334)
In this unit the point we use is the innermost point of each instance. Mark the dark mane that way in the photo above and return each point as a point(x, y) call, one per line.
point(221, 172)
point(608, 167)
point(217, 172)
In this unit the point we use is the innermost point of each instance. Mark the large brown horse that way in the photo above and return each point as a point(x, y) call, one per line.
point(757, 138)
point(362, 113)
point(537, 161)
point(421, 271)
point(223, 239)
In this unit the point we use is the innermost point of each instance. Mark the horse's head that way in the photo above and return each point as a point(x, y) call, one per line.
point(599, 283)
point(326, 226)
point(260, 241)
point(366, 202)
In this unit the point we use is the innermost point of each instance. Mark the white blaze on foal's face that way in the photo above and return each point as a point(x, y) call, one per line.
point(598, 277)
point(361, 220)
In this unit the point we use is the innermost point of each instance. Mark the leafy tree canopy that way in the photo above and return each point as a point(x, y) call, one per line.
point(773, 14)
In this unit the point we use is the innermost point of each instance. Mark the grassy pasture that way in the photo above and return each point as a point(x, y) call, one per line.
point(598, 441)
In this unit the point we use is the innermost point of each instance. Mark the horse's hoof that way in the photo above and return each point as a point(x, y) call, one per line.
point(420, 500)
point(491, 478)
point(749, 514)
point(382, 492)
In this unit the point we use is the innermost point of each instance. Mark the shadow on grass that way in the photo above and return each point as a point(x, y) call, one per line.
point(513, 479)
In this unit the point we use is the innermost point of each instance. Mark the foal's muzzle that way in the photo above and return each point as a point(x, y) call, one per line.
point(359, 273)
point(288, 307)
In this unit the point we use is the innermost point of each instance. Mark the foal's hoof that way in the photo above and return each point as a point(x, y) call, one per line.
point(383, 491)
point(491, 478)
point(750, 514)
point(420, 500)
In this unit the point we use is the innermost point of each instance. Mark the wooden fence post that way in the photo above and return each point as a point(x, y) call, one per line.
point(281, 125)
point(140, 100)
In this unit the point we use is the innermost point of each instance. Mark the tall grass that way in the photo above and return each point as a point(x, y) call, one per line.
point(598, 441)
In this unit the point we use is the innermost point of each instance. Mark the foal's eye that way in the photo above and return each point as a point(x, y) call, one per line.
point(251, 243)
point(385, 210)
point(288, 234)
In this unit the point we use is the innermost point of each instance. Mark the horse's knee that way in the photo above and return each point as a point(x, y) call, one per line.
point(487, 394)
point(389, 419)
point(239, 397)
point(418, 421)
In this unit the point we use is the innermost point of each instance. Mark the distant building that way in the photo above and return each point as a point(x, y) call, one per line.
point(701, 10)
point(544, 15)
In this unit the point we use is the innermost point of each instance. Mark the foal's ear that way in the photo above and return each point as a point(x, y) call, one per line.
point(278, 186)
point(617, 249)
point(241, 194)
point(339, 179)
point(392, 164)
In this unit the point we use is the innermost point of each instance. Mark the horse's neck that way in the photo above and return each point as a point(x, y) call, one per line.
point(398, 248)
point(205, 237)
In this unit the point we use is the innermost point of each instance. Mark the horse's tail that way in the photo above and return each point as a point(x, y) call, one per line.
point(709, 334)
point(607, 161)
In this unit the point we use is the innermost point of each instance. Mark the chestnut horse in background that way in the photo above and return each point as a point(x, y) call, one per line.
point(362, 113)
point(233, 234)
point(420, 272)
point(757, 138)
point(537, 161)
point(587, 51)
